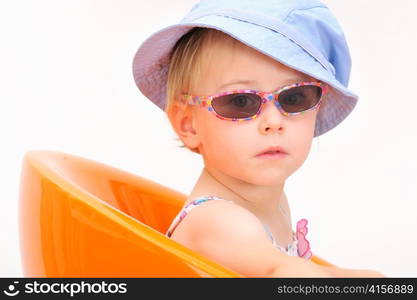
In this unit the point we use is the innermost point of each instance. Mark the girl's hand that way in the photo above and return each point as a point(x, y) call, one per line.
point(300, 267)
point(370, 273)
point(342, 272)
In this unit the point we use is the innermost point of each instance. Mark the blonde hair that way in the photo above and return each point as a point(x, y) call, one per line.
point(186, 60)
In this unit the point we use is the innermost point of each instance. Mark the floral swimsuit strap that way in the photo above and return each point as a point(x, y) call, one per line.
point(181, 215)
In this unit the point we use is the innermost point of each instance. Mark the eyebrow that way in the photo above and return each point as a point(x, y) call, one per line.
point(283, 83)
point(236, 82)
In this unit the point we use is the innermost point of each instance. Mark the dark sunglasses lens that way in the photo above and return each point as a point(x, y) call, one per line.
point(238, 106)
point(300, 98)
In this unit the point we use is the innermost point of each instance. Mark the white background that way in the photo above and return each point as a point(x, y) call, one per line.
point(66, 85)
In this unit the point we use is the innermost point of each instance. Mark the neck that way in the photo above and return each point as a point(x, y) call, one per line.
point(263, 201)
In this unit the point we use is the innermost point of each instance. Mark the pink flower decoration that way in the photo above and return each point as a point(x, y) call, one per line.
point(303, 245)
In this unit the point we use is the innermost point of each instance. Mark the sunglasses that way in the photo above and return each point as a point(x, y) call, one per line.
point(245, 105)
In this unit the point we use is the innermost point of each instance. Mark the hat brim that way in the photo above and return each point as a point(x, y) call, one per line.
point(151, 62)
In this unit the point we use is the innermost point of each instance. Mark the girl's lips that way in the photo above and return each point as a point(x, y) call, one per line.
point(272, 155)
point(272, 152)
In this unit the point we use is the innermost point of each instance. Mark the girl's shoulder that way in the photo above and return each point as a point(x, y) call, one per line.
point(227, 233)
point(190, 205)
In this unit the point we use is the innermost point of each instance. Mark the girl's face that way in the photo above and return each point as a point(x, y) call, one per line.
point(231, 147)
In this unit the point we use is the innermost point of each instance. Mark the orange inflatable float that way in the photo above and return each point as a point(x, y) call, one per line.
point(81, 218)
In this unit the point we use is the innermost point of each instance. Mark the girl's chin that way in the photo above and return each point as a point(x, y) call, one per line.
point(265, 179)
point(256, 176)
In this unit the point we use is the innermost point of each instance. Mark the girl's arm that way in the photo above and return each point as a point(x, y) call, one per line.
point(235, 238)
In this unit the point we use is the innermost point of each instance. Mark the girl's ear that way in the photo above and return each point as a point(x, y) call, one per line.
point(182, 119)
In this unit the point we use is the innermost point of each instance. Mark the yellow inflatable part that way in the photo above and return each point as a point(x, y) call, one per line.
point(81, 218)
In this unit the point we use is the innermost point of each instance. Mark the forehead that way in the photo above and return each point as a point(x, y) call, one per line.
point(228, 63)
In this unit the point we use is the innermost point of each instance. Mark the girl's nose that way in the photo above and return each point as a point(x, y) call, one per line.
point(271, 119)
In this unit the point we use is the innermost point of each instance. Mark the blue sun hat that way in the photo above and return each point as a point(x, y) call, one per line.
point(301, 34)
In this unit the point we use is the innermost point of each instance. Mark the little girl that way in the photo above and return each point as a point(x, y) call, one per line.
point(247, 85)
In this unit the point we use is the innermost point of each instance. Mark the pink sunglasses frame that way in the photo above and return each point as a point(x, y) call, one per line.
point(205, 101)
